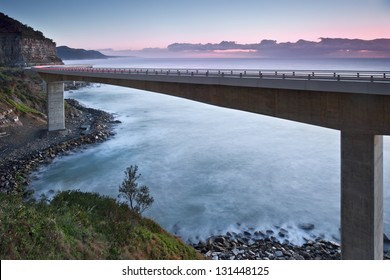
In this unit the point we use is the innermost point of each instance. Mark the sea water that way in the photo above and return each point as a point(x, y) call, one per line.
point(212, 170)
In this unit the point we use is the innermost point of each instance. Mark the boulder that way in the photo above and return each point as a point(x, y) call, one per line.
point(306, 226)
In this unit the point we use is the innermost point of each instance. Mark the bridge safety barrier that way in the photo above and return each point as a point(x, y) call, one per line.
point(372, 76)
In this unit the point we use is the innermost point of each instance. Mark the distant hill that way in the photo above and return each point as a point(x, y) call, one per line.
point(66, 53)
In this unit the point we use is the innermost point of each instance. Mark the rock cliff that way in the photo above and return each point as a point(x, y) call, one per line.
point(20, 45)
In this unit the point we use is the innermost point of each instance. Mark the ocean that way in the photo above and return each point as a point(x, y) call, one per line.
point(212, 170)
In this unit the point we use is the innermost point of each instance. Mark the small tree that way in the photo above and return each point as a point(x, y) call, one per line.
point(138, 197)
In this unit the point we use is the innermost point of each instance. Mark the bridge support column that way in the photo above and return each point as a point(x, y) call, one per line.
point(55, 106)
point(361, 196)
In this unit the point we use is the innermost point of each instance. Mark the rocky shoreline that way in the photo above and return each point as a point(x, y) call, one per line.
point(267, 245)
point(84, 126)
point(263, 245)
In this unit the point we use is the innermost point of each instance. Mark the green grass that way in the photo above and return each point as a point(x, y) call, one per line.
point(78, 225)
point(23, 108)
point(21, 90)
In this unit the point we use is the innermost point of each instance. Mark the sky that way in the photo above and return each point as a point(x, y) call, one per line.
point(138, 24)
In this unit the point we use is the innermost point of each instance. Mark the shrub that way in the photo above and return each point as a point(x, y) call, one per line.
point(138, 197)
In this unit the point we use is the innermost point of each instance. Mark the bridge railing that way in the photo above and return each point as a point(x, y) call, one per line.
point(372, 76)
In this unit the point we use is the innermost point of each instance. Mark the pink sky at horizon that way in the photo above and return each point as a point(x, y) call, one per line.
point(135, 25)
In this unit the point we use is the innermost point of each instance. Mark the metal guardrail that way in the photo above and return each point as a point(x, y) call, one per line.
point(363, 76)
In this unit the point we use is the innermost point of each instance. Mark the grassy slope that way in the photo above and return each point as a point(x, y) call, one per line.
point(78, 225)
point(21, 90)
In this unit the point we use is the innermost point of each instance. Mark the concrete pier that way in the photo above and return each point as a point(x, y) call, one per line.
point(55, 106)
point(361, 196)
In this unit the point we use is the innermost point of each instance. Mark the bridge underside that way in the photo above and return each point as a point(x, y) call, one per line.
point(361, 118)
point(364, 113)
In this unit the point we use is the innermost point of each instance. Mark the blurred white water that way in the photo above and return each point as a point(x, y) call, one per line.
point(211, 169)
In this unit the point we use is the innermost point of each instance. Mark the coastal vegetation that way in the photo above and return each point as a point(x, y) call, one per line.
point(11, 26)
point(137, 197)
point(77, 225)
point(21, 90)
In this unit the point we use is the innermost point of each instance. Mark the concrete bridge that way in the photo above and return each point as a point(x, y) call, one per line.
point(356, 103)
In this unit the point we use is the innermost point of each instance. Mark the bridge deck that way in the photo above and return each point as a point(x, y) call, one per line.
point(365, 82)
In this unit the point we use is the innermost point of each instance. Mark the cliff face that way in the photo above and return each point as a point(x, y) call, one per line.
point(39, 51)
point(20, 45)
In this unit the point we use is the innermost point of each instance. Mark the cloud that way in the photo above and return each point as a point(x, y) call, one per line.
point(327, 47)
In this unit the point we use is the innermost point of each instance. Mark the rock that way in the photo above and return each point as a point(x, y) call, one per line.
point(220, 239)
point(229, 234)
point(286, 253)
point(219, 248)
point(283, 231)
point(309, 242)
point(278, 254)
point(273, 239)
point(298, 257)
point(259, 233)
point(251, 242)
point(306, 226)
point(333, 244)
point(282, 234)
point(235, 252)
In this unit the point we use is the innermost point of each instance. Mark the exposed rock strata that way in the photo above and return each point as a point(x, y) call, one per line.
point(20, 45)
